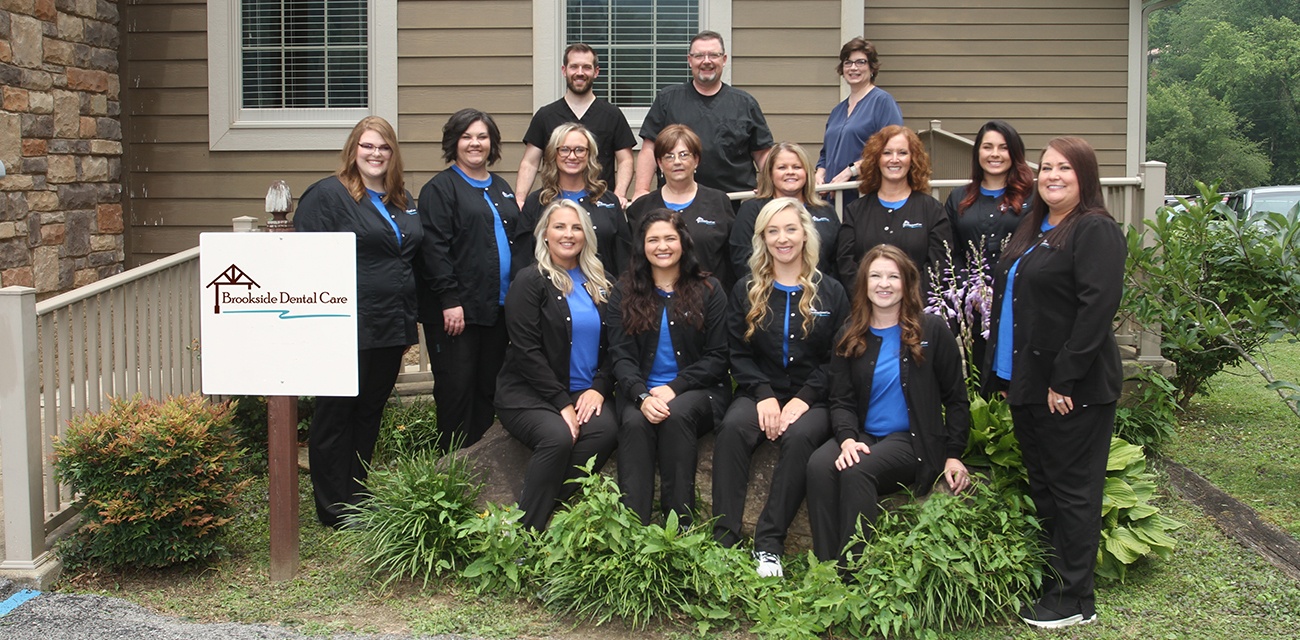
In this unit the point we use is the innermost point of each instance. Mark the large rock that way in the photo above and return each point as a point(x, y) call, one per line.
point(499, 461)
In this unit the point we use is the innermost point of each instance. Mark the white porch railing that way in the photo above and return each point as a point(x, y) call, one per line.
point(133, 333)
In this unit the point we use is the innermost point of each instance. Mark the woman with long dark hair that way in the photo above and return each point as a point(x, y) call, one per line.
point(782, 319)
point(569, 171)
point(367, 196)
point(668, 338)
point(898, 405)
point(472, 249)
point(555, 392)
point(1052, 352)
point(707, 212)
point(984, 213)
point(896, 209)
point(784, 174)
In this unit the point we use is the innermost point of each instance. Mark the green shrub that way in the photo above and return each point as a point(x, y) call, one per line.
point(598, 563)
point(408, 523)
point(249, 421)
point(502, 550)
point(1131, 526)
point(407, 428)
point(1148, 415)
point(156, 481)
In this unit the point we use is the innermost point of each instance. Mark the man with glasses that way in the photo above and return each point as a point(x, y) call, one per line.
point(728, 121)
point(614, 139)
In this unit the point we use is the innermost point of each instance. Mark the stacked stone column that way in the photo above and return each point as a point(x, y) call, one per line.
point(61, 144)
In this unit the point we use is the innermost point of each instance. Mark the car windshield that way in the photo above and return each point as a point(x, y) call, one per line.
point(1276, 202)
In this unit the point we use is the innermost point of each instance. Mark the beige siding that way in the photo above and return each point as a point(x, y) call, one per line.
point(1053, 70)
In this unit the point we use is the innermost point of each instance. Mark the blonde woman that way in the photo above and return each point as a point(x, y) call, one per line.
point(555, 391)
point(569, 170)
point(781, 319)
point(784, 174)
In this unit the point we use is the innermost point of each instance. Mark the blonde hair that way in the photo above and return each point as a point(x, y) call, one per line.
point(764, 271)
point(767, 188)
point(591, 266)
point(550, 169)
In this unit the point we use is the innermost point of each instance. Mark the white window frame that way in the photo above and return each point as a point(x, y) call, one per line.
point(550, 39)
point(233, 128)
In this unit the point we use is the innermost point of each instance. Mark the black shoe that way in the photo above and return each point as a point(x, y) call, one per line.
point(1040, 616)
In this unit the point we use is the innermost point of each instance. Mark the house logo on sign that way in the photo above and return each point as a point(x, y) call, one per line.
point(233, 276)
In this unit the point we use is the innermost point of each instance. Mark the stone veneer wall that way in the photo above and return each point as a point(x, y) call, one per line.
point(61, 144)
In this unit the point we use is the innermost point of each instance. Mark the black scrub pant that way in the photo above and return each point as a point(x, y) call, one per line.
point(465, 369)
point(673, 444)
point(837, 500)
point(344, 430)
point(1066, 460)
point(556, 456)
point(738, 437)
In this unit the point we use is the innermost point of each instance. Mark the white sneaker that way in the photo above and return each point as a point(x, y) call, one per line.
point(769, 565)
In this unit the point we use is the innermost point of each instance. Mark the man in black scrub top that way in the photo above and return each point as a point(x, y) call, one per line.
point(729, 122)
point(614, 139)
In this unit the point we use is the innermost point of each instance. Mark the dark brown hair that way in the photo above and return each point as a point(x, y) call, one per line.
point(1083, 160)
point(581, 47)
point(639, 309)
point(1020, 178)
point(868, 49)
point(854, 341)
point(459, 123)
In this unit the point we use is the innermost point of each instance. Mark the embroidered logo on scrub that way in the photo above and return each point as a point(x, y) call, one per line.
point(911, 225)
point(701, 220)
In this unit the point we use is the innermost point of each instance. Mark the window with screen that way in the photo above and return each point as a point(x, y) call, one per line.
point(641, 43)
point(304, 54)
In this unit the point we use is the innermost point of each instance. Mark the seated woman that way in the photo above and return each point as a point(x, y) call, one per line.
point(554, 392)
point(898, 405)
point(784, 175)
point(781, 320)
point(569, 170)
point(707, 212)
point(668, 341)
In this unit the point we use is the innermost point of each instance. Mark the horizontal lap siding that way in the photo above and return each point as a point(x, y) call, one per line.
point(1050, 71)
point(451, 54)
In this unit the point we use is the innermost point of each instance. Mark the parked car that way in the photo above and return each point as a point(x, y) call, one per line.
point(1280, 199)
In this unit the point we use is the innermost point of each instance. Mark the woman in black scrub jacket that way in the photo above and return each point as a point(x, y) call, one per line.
point(898, 406)
point(1052, 352)
point(366, 196)
point(781, 321)
point(472, 244)
point(707, 212)
point(784, 175)
point(569, 170)
point(668, 339)
point(896, 209)
point(555, 392)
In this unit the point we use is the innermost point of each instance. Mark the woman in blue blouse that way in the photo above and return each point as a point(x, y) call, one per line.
point(472, 248)
point(868, 109)
point(368, 197)
point(898, 406)
point(668, 339)
point(555, 392)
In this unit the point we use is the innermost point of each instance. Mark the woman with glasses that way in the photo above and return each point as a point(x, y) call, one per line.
point(868, 109)
point(784, 175)
point(473, 236)
point(366, 196)
point(569, 171)
point(707, 212)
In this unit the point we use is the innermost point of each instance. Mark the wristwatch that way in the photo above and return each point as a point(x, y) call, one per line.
point(641, 398)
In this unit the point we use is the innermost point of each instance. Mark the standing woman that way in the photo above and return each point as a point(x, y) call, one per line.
point(784, 174)
point(781, 320)
point(706, 211)
point(985, 212)
point(868, 109)
point(366, 196)
point(897, 208)
point(668, 339)
point(1052, 352)
point(555, 392)
point(569, 171)
point(472, 235)
point(898, 406)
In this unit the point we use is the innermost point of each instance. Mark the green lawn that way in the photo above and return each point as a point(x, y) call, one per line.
point(1244, 440)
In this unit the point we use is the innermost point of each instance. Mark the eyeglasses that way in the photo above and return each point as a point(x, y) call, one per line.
point(708, 55)
point(683, 156)
point(370, 148)
point(577, 152)
point(857, 63)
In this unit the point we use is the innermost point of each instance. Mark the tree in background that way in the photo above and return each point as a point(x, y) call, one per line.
point(1224, 82)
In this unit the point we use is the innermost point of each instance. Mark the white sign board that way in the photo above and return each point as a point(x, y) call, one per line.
point(279, 313)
